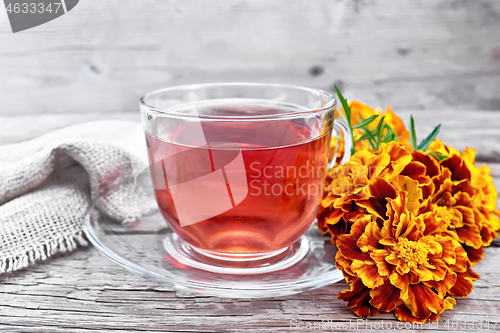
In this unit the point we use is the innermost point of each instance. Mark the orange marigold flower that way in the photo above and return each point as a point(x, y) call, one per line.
point(361, 111)
point(364, 185)
point(404, 263)
point(408, 225)
point(463, 195)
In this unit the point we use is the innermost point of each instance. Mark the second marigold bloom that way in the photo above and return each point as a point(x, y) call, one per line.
point(364, 184)
point(463, 195)
point(403, 263)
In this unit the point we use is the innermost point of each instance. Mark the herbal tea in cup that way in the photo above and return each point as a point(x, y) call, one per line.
point(238, 168)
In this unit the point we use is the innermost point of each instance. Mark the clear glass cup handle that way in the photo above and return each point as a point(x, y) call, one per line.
point(339, 126)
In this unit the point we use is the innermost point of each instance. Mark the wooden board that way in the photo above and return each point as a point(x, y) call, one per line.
point(85, 292)
point(104, 54)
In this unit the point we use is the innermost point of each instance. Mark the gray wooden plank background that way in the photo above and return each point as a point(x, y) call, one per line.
point(104, 54)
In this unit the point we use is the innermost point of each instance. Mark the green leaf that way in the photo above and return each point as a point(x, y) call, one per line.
point(413, 137)
point(388, 128)
point(438, 156)
point(345, 105)
point(369, 136)
point(365, 122)
point(347, 111)
point(390, 136)
point(427, 141)
point(372, 144)
point(365, 136)
point(380, 130)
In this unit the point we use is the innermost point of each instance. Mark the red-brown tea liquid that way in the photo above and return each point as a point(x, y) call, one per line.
point(285, 162)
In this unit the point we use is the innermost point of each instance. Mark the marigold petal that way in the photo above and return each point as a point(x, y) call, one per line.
point(449, 252)
point(400, 157)
point(431, 164)
point(469, 155)
point(400, 281)
point(347, 203)
point(368, 241)
point(381, 191)
point(464, 191)
point(414, 229)
point(360, 111)
point(340, 186)
point(474, 255)
point(427, 192)
point(384, 269)
point(328, 201)
point(491, 225)
point(402, 225)
point(416, 171)
point(385, 297)
point(347, 246)
point(334, 217)
point(458, 168)
point(368, 273)
point(450, 216)
point(442, 183)
point(473, 275)
point(395, 208)
point(422, 273)
point(358, 299)
point(360, 222)
point(356, 215)
point(404, 314)
point(442, 287)
point(377, 164)
point(435, 271)
point(434, 247)
point(470, 235)
point(447, 200)
point(467, 213)
point(388, 241)
point(439, 147)
point(464, 199)
point(398, 126)
point(401, 267)
point(373, 165)
point(411, 187)
point(463, 285)
point(414, 278)
point(360, 157)
point(343, 263)
point(422, 301)
point(340, 228)
point(449, 302)
point(433, 224)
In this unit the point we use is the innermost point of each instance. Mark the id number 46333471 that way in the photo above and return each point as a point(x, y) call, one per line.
point(34, 7)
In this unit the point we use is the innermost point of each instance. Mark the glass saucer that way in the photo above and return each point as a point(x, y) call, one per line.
point(141, 247)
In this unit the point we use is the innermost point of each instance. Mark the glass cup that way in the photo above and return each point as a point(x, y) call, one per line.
point(238, 170)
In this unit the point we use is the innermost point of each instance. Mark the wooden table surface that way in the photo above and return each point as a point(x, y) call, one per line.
point(83, 291)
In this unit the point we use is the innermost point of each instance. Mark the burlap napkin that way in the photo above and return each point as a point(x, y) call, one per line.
point(47, 184)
